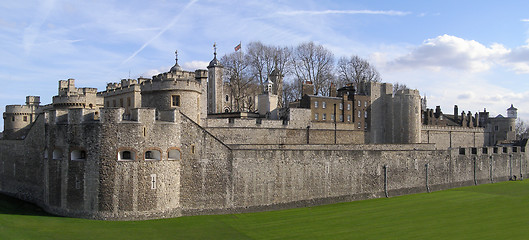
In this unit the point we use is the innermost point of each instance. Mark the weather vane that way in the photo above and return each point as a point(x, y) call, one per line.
point(215, 48)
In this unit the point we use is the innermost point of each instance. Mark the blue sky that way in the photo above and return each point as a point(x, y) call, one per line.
point(471, 53)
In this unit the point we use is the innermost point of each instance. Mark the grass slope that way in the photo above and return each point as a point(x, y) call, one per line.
point(491, 211)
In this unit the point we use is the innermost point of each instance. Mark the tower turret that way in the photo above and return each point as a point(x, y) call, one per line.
point(215, 87)
point(512, 112)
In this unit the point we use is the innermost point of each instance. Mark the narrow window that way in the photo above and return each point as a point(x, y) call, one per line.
point(323, 105)
point(348, 118)
point(128, 101)
point(175, 100)
point(348, 107)
point(461, 151)
point(77, 182)
point(359, 125)
point(13, 118)
point(365, 114)
point(496, 128)
point(341, 118)
point(359, 114)
point(152, 155)
point(510, 127)
point(153, 181)
point(341, 106)
point(315, 104)
point(227, 98)
point(359, 103)
point(324, 117)
point(332, 117)
point(485, 150)
point(193, 149)
point(114, 102)
point(57, 154)
point(121, 102)
point(174, 154)
point(365, 104)
point(315, 116)
point(127, 155)
point(78, 155)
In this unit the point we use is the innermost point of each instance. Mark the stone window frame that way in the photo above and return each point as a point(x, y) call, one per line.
point(175, 98)
point(150, 150)
point(172, 149)
point(77, 154)
point(133, 151)
point(25, 119)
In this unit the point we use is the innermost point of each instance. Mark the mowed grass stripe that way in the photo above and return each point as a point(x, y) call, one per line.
point(490, 211)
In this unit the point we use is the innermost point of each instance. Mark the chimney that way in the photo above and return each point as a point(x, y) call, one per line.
point(332, 90)
point(308, 88)
point(456, 111)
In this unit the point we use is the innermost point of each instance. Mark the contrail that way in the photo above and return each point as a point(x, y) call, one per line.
point(175, 19)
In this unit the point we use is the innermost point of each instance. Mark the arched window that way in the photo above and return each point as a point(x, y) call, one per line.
point(174, 154)
point(78, 155)
point(127, 155)
point(152, 155)
point(57, 154)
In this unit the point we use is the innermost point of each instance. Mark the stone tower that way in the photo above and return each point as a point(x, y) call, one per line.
point(277, 79)
point(215, 86)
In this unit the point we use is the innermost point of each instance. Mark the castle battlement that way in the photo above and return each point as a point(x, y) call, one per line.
point(171, 84)
point(452, 128)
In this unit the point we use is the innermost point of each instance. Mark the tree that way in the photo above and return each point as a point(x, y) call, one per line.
point(521, 129)
point(240, 81)
point(264, 60)
point(313, 63)
point(399, 86)
point(356, 70)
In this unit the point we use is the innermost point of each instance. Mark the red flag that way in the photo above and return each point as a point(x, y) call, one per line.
point(238, 47)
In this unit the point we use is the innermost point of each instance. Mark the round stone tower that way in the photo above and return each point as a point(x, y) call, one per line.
point(18, 118)
point(175, 89)
point(406, 117)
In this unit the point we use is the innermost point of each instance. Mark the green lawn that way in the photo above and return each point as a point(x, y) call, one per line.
point(491, 211)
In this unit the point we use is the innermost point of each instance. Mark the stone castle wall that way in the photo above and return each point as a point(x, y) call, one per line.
point(449, 137)
point(211, 176)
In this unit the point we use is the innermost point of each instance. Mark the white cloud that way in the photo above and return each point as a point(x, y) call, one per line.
point(451, 52)
point(194, 65)
point(525, 20)
point(325, 12)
